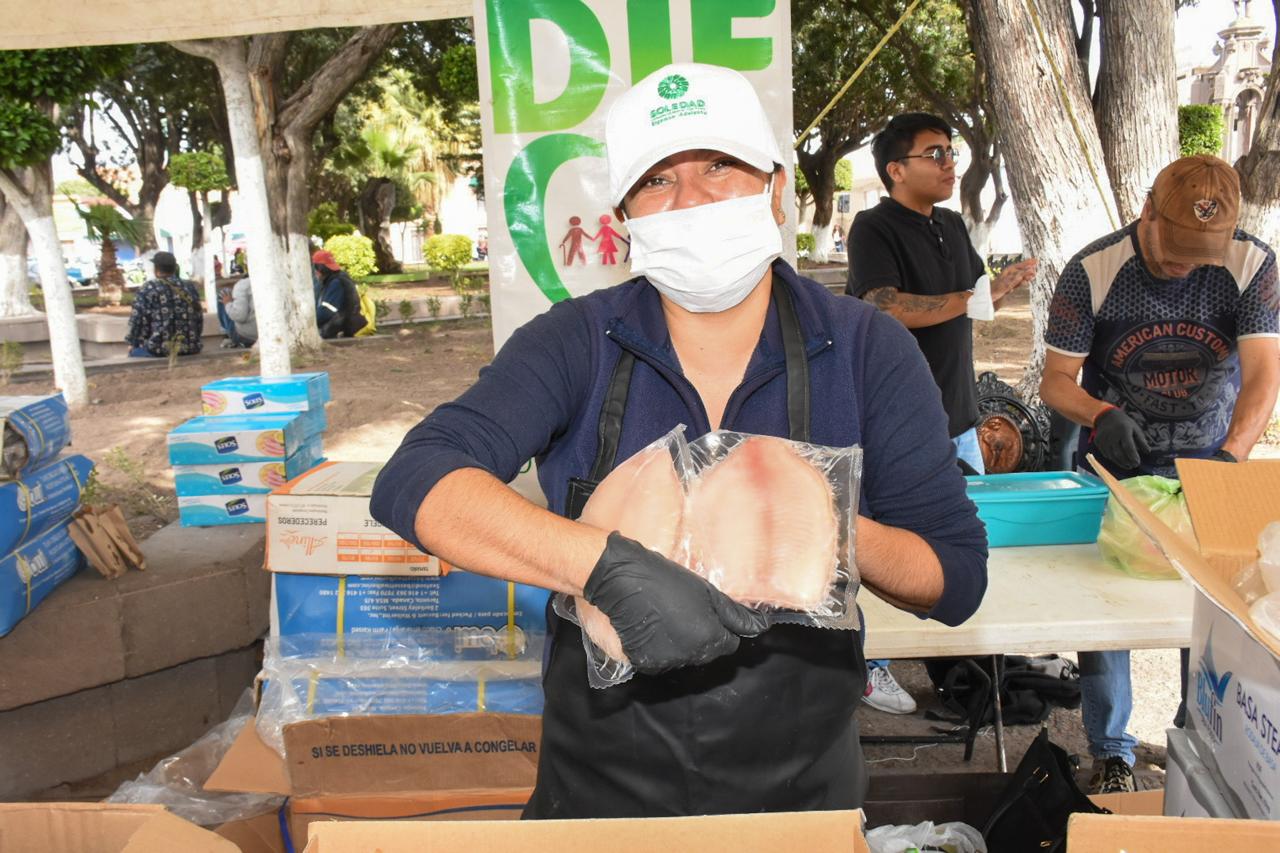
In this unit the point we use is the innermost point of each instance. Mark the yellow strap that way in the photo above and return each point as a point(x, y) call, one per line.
point(480, 694)
point(342, 614)
point(26, 571)
point(26, 495)
point(511, 620)
point(1066, 105)
point(72, 470)
point(857, 73)
point(311, 693)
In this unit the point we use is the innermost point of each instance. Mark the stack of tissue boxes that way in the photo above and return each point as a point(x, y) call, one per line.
point(39, 491)
point(255, 434)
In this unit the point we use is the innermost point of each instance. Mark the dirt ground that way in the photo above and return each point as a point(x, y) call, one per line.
point(382, 386)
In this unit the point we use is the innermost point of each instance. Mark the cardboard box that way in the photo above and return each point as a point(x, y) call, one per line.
point(102, 828)
point(319, 523)
point(33, 430)
point(257, 395)
point(813, 832)
point(1094, 833)
point(241, 438)
point(215, 510)
point(1233, 689)
point(238, 478)
point(469, 767)
point(32, 571)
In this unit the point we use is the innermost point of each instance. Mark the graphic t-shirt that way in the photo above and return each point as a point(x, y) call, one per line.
point(1164, 351)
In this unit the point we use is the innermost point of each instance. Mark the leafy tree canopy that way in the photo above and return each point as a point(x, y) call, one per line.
point(1200, 129)
point(199, 171)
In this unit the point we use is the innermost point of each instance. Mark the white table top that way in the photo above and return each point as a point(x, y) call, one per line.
point(1047, 599)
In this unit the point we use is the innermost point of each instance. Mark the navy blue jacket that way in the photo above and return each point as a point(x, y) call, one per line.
point(541, 396)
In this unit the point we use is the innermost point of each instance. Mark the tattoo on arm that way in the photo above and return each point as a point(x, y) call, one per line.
point(894, 301)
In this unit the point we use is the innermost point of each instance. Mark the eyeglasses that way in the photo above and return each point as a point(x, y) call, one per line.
point(937, 155)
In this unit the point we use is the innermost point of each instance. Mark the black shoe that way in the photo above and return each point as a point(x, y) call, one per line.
point(1112, 776)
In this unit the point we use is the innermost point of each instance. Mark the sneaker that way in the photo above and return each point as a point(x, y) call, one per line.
point(885, 694)
point(1112, 776)
point(227, 343)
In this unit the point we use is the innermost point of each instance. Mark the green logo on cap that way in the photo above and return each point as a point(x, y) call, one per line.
point(673, 86)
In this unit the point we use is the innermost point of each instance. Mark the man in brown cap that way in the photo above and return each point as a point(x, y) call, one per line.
point(1171, 322)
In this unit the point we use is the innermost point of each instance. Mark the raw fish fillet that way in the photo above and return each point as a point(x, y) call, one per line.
point(762, 526)
point(642, 499)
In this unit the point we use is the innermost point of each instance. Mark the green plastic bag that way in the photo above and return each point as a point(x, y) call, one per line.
point(1125, 546)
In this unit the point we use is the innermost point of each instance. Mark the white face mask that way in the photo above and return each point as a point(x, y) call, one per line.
point(707, 258)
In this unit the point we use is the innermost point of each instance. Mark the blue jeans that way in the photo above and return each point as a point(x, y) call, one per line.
point(967, 448)
point(142, 352)
point(1106, 701)
point(229, 326)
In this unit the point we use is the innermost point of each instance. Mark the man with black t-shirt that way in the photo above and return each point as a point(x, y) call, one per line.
point(914, 261)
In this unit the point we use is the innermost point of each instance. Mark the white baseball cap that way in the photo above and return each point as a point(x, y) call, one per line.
point(683, 107)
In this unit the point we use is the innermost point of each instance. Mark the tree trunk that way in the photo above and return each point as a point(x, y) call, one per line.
point(1137, 98)
point(980, 224)
point(1260, 168)
point(36, 209)
point(1057, 175)
point(110, 276)
point(210, 275)
point(304, 334)
point(823, 185)
point(15, 298)
point(377, 200)
point(269, 280)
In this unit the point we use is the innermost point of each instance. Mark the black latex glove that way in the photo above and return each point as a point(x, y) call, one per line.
point(1224, 456)
point(665, 615)
point(1119, 438)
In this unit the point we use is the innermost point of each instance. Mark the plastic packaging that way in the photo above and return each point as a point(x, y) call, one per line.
point(1269, 556)
point(177, 782)
point(1122, 542)
point(1265, 613)
point(43, 497)
point(952, 837)
point(678, 501)
point(401, 671)
point(33, 570)
point(35, 430)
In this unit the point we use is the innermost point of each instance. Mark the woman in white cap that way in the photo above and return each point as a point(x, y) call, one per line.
point(715, 331)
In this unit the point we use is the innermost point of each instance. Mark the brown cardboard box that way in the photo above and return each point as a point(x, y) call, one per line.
point(101, 828)
point(259, 834)
point(1092, 833)
point(813, 832)
point(204, 594)
point(325, 781)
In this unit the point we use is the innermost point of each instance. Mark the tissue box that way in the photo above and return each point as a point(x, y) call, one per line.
point(240, 438)
point(257, 395)
point(239, 478)
point(213, 510)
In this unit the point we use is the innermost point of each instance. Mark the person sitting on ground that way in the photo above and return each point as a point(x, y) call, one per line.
point(235, 313)
point(337, 300)
point(166, 313)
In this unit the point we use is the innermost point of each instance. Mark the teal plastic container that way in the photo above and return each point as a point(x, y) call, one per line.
point(1039, 507)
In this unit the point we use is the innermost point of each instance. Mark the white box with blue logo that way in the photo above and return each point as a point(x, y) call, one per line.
point(261, 395)
point(242, 438)
point(216, 510)
point(1233, 687)
point(238, 478)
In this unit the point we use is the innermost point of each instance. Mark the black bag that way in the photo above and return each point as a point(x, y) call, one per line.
point(1033, 811)
point(1030, 687)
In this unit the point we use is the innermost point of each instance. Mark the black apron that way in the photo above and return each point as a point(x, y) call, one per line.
point(768, 728)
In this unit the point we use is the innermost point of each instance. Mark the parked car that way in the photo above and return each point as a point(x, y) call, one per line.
point(80, 273)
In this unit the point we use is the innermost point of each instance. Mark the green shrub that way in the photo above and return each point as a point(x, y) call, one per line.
point(324, 222)
point(354, 253)
point(805, 242)
point(448, 253)
point(1199, 129)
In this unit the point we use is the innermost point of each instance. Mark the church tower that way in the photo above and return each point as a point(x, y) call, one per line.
point(1235, 82)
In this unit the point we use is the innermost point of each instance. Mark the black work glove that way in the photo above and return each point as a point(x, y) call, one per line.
point(1224, 456)
point(665, 615)
point(1119, 438)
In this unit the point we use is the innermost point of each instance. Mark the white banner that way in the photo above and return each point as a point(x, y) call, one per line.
point(549, 70)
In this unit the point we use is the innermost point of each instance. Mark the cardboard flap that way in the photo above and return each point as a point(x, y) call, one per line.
point(163, 833)
point(250, 766)
point(814, 832)
point(1094, 833)
point(1225, 525)
point(337, 755)
point(1184, 557)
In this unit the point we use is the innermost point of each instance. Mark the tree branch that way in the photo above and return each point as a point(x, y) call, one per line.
point(305, 108)
point(209, 49)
